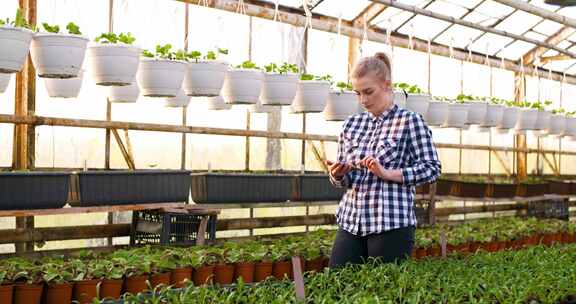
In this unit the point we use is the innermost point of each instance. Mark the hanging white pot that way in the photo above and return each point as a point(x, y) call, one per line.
point(179, 101)
point(205, 78)
point(509, 118)
point(58, 55)
point(570, 129)
point(476, 112)
point(242, 86)
point(437, 113)
point(217, 103)
point(527, 119)
point(14, 47)
point(64, 87)
point(557, 124)
point(494, 115)
point(311, 96)
point(113, 64)
point(124, 94)
point(400, 98)
point(4, 81)
point(340, 105)
point(279, 89)
point(542, 120)
point(418, 103)
point(161, 77)
point(457, 115)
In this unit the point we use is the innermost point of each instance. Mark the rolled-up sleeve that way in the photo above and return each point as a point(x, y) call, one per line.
point(425, 166)
point(344, 181)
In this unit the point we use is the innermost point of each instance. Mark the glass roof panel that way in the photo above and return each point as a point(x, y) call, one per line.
point(348, 9)
point(424, 27)
point(448, 9)
point(559, 65)
point(391, 15)
point(516, 50)
point(519, 22)
point(463, 3)
point(548, 27)
point(461, 35)
point(494, 9)
point(480, 18)
point(534, 35)
point(491, 42)
point(572, 38)
point(569, 11)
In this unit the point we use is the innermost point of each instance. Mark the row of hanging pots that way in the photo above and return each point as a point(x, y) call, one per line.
point(484, 115)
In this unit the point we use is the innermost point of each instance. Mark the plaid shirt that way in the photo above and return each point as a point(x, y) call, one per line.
point(399, 139)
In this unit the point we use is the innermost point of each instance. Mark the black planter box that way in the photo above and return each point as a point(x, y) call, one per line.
point(470, 189)
point(559, 187)
point(317, 187)
point(133, 187)
point(504, 190)
point(33, 190)
point(214, 188)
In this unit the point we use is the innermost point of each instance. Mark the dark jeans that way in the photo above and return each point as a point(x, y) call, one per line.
point(389, 246)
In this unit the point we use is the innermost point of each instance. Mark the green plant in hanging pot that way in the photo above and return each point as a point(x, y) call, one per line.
point(114, 60)
point(417, 101)
point(280, 84)
point(161, 73)
point(311, 93)
point(243, 84)
point(16, 36)
point(342, 103)
point(205, 73)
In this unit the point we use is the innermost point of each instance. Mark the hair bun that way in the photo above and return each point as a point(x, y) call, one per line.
point(383, 57)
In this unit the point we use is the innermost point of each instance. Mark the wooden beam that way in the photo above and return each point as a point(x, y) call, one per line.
point(541, 12)
point(545, 60)
point(502, 163)
point(550, 164)
point(294, 16)
point(64, 233)
point(536, 52)
point(417, 10)
point(273, 222)
point(369, 13)
point(319, 158)
point(125, 153)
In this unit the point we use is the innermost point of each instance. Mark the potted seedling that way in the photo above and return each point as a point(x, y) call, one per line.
point(477, 108)
point(160, 269)
point(161, 73)
point(224, 267)
point(182, 271)
point(280, 84)
point(16, 36)
point(56, 54)
point(399, 95)
point(244, 261)
point(181, 100)
point(58, 275)
point(527, 116)
point(110, 275)
point(510, 116)
point(114, 60)
point(64, 88)
point(437, 111)
point(311, 94)
point(205, 73)
point(85, 281)
point(203, 262)
point(570, 129)
point(136, 267)
point(417, 101)
point(6, 283)
point(263, 262)
point(4, 81)
point(557, 122)
point(457, 115)
point(124, 94)
point(494, 113)
point(544, 116)
point(341, 103)
point(281, 255)
point(28, 282)
point(242, 85)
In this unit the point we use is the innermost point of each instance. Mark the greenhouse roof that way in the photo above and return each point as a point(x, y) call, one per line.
point(530, 26)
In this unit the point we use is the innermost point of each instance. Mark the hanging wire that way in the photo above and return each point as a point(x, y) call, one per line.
point(411, 37)
point(276, 10)
point(204, 3)
point(241, 7)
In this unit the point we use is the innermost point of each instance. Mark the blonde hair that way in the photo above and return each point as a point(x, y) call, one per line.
point(379, 65)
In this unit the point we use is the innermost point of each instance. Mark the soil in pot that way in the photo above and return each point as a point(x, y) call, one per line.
point(6, 293)
point(58, 293)
point(85, 291)
point(262, 271)
point(179, 276)
point(135, 284)
point(282, 269)
point(245, 271)
point(203, 275)
point(111, 289)
point(27, 293)
point(224, 274)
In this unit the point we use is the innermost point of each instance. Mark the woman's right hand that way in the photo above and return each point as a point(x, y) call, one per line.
point(338, 170)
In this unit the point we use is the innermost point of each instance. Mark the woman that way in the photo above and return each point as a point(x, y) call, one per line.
point(382, 154)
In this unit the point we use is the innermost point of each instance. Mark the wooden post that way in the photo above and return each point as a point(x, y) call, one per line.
point(247, 158)
point(23, 153)
point(521, 157)
point(303, 149)
point(110, 217)
point(185, 109)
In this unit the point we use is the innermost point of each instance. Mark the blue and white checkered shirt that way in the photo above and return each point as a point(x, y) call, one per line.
point(399, 139)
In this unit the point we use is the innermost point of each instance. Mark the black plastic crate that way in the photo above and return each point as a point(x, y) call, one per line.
point(167, 228)
point(123, 187)
point(552, 209)
point(422, 213)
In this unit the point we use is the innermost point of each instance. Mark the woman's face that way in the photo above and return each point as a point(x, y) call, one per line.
point(374, 94)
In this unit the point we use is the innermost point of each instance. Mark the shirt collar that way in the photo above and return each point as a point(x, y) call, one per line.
point(384, 114)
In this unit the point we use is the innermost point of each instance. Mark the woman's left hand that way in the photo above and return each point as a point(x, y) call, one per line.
point(374, 166)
